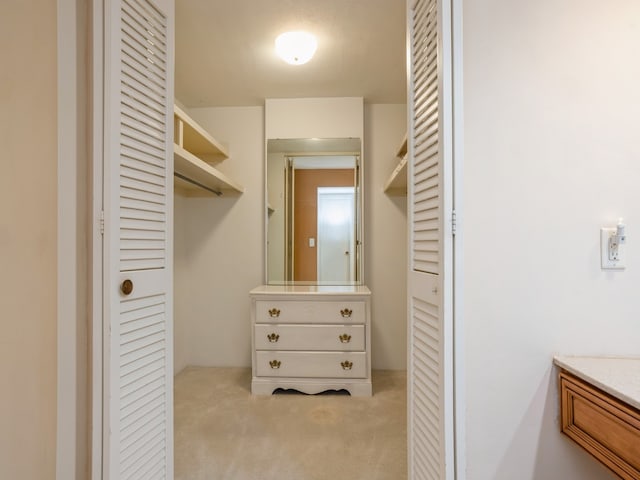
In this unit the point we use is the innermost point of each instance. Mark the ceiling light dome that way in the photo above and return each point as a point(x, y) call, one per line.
point(296, 48)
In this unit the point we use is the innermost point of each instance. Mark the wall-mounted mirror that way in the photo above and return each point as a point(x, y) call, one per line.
point(314, 211)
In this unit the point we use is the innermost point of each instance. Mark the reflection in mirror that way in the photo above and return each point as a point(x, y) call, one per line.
point(314, 211)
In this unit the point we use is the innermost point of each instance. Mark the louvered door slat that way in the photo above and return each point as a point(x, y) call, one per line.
point(134, 204)
point(143, 160)
point(133, 138)
point(143, 84)
point(136, 98)
point(145, 184)
point(149, 235)
point(140, 404)
point(150, 18)
point(157, 47)
point(126, 171)
point(150, 198)
point(142, 109)
point(142, 122)
point(131, 213)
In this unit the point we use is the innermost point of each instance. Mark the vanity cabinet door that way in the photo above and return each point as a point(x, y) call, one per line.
point(602, 425)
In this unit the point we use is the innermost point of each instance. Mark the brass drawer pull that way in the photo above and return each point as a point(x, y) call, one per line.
point(275, 364)
point(344, 338)
point(346, 365)
point(346, 313)
point(273, 337)
point(274, 313)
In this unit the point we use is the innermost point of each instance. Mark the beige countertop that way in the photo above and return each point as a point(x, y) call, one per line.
point(618, 376)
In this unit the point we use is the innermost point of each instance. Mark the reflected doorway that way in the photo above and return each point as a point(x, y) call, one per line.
point(336, 239)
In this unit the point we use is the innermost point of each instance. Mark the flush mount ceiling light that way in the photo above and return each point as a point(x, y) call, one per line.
point(296, 48)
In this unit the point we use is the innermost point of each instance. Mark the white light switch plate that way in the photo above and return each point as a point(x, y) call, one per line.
point(605, 263)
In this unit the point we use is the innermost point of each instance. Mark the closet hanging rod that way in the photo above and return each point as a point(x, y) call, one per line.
point(197, 184)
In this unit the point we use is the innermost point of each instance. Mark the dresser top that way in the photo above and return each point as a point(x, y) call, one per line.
point(618, 376)
point(311, 290)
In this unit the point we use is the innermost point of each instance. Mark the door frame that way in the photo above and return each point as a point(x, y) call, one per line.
point(96, 179)
point(78, 341)
point(457, 284)
point(75, 240)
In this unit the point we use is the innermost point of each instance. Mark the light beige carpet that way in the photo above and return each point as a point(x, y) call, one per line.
point(223, 432)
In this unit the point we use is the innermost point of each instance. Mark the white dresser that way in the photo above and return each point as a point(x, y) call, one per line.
point(311, 338)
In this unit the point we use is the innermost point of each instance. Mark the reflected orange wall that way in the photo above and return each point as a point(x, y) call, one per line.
point(305, 214)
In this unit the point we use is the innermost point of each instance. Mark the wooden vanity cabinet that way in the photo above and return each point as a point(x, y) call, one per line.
point(311, 339)
point(604, 426)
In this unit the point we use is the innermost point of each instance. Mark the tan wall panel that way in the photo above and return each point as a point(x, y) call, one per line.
point(28, 215)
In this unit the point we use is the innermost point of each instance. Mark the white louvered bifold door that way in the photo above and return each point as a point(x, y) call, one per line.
point(138, 206)
point(430, 384)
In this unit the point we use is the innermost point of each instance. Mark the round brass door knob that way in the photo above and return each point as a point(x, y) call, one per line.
point(126, 287)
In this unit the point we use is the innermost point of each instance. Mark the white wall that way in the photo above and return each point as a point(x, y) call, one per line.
point(332, 117)
point(551, 104)
point(219, 244)
point(385, 237)
point(219, 248)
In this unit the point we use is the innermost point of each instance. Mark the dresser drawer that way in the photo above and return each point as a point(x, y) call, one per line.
point(309, 337)
point(311, 364)
point(309, 312)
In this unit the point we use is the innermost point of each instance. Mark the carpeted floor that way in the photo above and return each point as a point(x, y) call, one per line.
point(223, 432)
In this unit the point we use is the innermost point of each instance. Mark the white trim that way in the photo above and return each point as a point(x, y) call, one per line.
point(72, 428)
point(458, 314)
point(447, 249)
point(67, 355)
point(96, 237)
point(408, 38)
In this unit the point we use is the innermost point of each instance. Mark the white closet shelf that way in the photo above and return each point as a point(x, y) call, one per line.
point(190, 166)
point(195, 139)
point(193, 148)
point(397, 182)
point(402, 151)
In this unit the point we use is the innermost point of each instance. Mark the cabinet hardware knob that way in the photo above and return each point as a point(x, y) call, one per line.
point(346, 365)
point(345, 338)
point(274, 313)
point(126, 287)
point(346, 313)
point(275, 364)
point(273, 337)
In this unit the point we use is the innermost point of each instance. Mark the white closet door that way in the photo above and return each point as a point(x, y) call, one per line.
point(138, 205)
point(430, 333)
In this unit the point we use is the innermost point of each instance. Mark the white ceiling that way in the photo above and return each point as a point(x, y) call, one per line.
point(225, 57)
